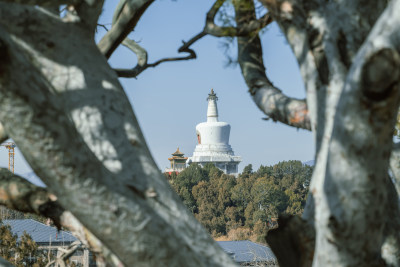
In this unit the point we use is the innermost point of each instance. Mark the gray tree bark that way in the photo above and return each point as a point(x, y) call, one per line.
point(348, 57)
point(78, 132)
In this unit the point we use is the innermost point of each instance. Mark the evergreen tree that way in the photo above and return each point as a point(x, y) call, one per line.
point(8, 243)
point(22, 252)
point(244, 207)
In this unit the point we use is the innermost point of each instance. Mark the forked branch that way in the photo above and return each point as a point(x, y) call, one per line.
point(18, 194)
point(141, 53)
point(128, 14)
point(142, 56)
point(268, 98)
point(210, 28)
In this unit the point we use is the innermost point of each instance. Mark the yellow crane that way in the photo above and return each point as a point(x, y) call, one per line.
point(10, 146)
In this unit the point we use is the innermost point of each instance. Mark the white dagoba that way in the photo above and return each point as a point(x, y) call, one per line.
point(213, 141)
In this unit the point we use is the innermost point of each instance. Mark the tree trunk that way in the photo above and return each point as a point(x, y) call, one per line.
point(348, 57)
point(64, 107)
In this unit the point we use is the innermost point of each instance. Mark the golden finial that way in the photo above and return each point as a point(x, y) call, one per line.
point(212, 95)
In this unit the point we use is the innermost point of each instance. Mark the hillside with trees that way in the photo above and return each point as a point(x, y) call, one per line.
point(245, 207)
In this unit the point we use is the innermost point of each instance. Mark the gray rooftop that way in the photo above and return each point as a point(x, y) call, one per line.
point(247, 251)
point(39, 232)
point(240, 251)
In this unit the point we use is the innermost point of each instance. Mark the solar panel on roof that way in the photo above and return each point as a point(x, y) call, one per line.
point(247, 251)
point(39, 232)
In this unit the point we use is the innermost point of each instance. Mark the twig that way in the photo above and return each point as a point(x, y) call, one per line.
point(102, 26)
point(142, 56)
point(210, 28)
point(127, 15)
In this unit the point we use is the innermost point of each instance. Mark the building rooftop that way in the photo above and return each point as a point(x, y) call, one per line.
point(247, 251)
point(177, 153)
point(39, 232)
point(240, 251)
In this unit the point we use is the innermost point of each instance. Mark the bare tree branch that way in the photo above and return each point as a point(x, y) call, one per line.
point(102, 26)
point(118, 10)
point(214, 10)
point(129, 13)
point(168, 59)
point(18, 194)
point(141, 55)
point(251, 26)
point(194, 39)
point(267, 97)
point(209, 28)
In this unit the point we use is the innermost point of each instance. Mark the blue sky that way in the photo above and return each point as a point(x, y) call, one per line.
point(170, 100)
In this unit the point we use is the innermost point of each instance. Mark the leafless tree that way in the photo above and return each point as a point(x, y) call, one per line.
point(63, 105)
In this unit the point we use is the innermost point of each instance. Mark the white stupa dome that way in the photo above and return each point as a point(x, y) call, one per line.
point(213, 141)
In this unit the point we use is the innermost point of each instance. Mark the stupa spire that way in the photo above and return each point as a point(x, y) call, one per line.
point(212, 110)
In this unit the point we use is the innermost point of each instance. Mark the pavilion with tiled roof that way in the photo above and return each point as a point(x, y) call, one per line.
point(178, 162)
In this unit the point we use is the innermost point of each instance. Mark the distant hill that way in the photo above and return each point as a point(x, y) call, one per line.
point(309, 163)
